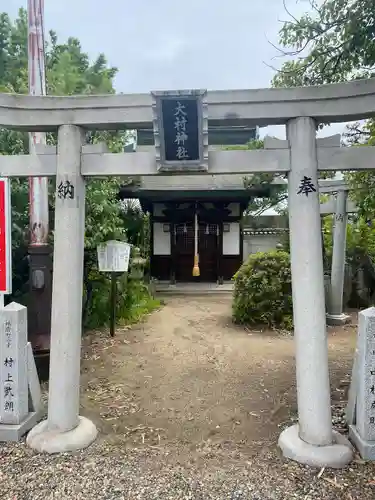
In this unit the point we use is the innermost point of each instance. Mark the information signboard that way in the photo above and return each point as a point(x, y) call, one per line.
point(113, 257)
point(5, 238)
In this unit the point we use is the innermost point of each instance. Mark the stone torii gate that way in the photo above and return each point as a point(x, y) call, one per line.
point(312, 441)
point(335, 314)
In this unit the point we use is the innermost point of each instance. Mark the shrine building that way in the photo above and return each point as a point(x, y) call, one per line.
point(196, 214)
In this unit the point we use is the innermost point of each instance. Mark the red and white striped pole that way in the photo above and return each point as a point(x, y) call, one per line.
point(40, 260)
point(38, 186)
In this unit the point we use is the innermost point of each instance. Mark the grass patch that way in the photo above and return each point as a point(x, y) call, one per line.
point(138, 311)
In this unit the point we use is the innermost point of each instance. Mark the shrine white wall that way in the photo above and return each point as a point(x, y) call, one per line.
point(231, 239)
point(161, 240)
point(259, 243)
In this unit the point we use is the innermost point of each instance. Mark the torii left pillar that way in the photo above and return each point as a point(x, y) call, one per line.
point(64, 430)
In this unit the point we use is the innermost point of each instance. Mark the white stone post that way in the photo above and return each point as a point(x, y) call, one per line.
point(335, 315)
point(65, 430)
point(312, 441)
point(14, 398)
point(16, 417)
point(363, 432)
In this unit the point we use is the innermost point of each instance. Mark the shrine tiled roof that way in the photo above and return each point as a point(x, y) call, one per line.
point(193, 182)
point(265, 230)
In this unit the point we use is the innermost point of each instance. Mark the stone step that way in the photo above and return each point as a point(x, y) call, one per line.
point(193, 289)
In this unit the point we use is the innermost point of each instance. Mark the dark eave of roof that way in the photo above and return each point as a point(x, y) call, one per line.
point(159, 195)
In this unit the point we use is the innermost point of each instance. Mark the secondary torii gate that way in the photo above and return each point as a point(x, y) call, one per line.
point(312, 441)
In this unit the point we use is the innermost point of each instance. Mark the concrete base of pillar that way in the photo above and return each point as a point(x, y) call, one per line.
point(365, 448)
point(14, 432)
point(338, 319)
point(41, 439)
point(337, 455)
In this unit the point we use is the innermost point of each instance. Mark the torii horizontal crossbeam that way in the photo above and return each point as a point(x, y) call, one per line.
point(245, 162)
point(338, 102)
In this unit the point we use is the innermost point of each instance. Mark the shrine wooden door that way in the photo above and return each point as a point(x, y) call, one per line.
point(208, 237)
point(184, 251)
point(208, 251)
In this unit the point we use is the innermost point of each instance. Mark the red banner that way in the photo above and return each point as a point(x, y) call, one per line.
point(5, 238)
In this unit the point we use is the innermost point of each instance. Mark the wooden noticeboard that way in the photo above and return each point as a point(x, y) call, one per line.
point(113, 257)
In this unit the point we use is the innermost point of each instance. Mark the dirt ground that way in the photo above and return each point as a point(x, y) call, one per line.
point(190, 407)
point(187, 380)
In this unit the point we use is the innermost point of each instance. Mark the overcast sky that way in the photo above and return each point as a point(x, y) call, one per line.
point(165, 44)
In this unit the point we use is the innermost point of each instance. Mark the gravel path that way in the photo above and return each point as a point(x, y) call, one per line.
point(189, 407)
point(105, 472)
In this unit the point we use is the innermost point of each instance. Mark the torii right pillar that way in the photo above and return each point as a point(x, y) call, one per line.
point(312, 441)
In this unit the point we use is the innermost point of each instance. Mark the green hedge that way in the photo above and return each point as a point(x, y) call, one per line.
point(263, 291)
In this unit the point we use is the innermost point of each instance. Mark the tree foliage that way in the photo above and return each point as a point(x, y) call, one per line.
point(272, 185)
point(360, 237)
point(68, 71)
point(335, 42)
point(272, 188)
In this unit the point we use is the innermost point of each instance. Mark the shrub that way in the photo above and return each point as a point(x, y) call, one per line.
point(263, 291)
point(132, 303)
